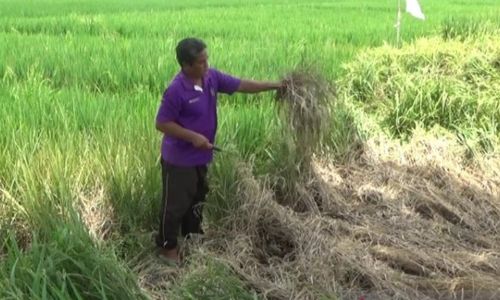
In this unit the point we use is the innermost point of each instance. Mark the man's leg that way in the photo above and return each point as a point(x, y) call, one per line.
point(191, 222)
point(179, 186)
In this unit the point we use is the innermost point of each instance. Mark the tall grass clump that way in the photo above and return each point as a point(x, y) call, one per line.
point(66, 266)
point(450, 83)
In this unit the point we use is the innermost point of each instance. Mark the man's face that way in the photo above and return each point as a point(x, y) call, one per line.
point(200, 65)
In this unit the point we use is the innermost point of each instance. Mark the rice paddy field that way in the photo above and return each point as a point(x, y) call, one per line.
point(376, 177)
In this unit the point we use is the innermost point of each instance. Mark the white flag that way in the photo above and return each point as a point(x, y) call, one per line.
point(413, 8)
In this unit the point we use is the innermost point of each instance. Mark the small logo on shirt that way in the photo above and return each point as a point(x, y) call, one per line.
point(190, 101)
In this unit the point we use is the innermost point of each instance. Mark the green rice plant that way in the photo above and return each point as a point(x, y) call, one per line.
point(465, 27)
point(432, 82)
point(211, 279)
point(344, 136)
point(251, 127)
point(67, 266)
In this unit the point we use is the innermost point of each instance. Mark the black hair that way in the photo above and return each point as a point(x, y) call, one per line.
point(188, 49)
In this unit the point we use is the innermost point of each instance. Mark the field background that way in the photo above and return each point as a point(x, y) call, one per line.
point(80, 83)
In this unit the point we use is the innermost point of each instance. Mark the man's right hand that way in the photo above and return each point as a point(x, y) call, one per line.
point(201, 142)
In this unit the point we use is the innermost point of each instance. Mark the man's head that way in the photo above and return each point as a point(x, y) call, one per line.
point(192, 57)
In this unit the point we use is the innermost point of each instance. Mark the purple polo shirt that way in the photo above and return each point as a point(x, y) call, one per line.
point(194, 110)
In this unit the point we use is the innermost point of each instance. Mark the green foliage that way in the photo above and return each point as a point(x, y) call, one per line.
point(80, 83)
point(462, 27)
point(65, 266)
point(452, 83)
point(212, 280)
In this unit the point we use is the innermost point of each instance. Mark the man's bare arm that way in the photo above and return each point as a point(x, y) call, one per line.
point(175, 130)
point(254, 86)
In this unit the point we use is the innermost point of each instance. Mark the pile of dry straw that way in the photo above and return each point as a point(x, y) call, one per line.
point(401, 223)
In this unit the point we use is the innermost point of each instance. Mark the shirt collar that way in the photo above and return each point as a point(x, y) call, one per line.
point(188, 84)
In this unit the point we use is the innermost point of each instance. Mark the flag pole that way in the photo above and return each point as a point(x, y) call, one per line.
point(398, 25)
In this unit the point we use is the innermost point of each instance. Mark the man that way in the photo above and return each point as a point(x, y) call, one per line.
point(188, 119)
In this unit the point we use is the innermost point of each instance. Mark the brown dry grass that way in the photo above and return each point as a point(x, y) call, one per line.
point(306, 102)
point(13, 221)
point(400, 222)
point(96, 213)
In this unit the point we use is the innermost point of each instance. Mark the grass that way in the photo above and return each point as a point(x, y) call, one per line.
point(213, 280)
point(66, 268)
point(80, 82)
point(453, 87)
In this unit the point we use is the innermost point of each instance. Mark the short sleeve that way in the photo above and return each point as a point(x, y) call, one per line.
point(170, 106)
point(226, 83)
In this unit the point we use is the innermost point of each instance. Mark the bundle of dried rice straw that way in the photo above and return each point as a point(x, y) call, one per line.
point(305, 101)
